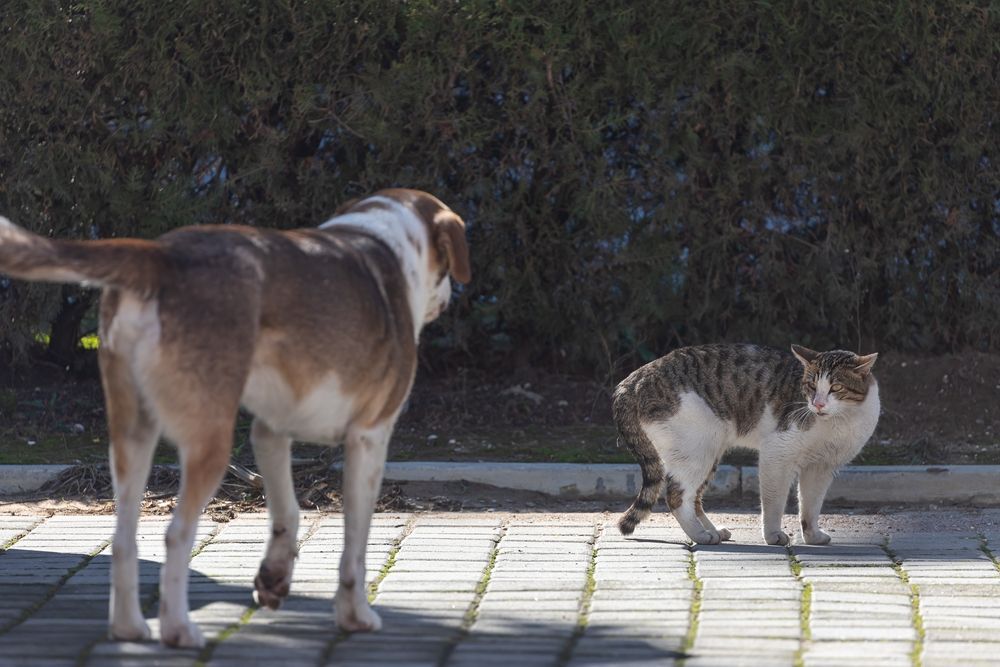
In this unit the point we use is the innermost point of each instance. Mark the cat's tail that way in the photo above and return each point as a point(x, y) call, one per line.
point(130, 264)
point(632, 435)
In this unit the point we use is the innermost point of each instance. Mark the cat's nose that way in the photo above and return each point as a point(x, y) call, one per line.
point(819, 404)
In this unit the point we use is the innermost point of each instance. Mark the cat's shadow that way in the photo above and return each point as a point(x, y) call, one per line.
point(747, 548)
point(724, 547)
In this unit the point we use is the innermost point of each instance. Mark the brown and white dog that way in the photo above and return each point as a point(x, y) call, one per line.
point(314, 331)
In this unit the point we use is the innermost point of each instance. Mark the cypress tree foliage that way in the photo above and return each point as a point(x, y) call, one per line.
point(636, 175)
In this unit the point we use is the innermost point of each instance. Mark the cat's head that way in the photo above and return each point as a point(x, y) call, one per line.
point(836, 381)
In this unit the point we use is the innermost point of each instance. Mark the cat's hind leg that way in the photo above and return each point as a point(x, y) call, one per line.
point(685, 485)
point(724, 534)
point(687, 515)
point(689, 447)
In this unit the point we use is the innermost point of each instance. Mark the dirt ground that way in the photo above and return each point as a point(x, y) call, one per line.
point(935, 410)
point(235, 498)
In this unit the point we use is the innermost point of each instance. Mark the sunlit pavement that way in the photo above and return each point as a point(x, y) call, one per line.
point(530, 589)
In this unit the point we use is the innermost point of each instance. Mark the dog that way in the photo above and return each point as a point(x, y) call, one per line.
point(314, 331)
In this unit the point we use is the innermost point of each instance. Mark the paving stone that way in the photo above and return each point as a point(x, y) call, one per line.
point(530, 613)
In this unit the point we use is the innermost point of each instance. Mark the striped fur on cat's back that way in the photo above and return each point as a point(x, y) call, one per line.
point(806, 412)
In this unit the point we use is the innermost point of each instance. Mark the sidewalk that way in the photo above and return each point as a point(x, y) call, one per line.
point(531, 589)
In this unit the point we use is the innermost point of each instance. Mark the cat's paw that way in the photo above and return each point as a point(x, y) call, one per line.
point(725, 535)
point(777, 537)
point(817, 537)
point(706, 537)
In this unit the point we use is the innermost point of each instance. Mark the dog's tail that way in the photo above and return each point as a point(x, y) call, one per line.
point(130, 264)
point(632, 435)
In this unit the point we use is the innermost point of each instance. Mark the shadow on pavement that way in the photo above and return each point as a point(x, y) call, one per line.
point(50, 625)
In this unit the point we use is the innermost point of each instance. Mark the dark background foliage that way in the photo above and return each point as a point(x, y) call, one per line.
point(635, 175)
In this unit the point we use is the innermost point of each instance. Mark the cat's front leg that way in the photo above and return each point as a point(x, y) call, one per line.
point(776, 477)
point(814, 481)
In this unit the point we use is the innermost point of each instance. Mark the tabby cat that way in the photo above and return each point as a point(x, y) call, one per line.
point(807, 413)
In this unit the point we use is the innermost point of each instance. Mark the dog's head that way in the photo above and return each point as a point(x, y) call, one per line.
point(442, 242)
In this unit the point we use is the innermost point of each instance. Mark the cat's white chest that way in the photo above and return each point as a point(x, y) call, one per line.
point(837, 440)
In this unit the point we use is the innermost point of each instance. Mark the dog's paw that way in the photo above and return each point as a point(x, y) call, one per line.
point(777, 537)
point(725, 535)
point(357, 618)
point(271, 585)
point(131, 630)
point(817, 537)
point(180, 634)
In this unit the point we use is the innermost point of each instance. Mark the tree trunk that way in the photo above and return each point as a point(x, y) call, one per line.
point(64, 337)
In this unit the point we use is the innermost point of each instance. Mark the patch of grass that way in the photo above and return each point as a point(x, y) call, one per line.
point(390, 561)
point(985, 548)
point(205, 656)
point(17, 538)
point(65, 448)
point(916, 618)
point(206, 653)
point(805, 607)
point(805, 610)
point(586, 597)
point(84, 657)
point(584, 443)
point(472, 613)
point(695, 609)
point(382, 573)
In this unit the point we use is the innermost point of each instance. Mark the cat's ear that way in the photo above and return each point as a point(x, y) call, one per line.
point(804, 354)
point(865, 364)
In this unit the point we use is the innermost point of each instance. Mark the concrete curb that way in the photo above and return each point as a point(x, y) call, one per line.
point(970, 484)
point(977, 485)
point(26, 478)
point(568, 480)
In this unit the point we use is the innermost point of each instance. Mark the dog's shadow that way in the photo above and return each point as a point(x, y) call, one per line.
point(60, 607)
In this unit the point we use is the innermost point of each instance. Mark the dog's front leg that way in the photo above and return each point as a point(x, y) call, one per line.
point(364, 461)
point(272, 452)
point(203, 463)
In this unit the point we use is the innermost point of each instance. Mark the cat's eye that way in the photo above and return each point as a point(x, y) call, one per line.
point(836, 387)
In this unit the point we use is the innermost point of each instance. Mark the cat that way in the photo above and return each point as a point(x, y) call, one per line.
point(807, 413)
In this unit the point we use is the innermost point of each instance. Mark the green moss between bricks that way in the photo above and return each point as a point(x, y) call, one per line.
point(390, 561)
point(805, 607)
point(29, 611)
point(206, 653)
point(916, 618)
point(586, 597)
point(985, 548)
point(695, 612)
point(472, 613)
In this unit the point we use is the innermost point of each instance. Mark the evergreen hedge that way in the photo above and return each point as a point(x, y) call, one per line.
point(635, 175)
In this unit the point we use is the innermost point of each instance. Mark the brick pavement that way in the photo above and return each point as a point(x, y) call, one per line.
point(522, 589)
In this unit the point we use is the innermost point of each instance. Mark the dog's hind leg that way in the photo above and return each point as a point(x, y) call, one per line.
point(364, 462)
point(134, 434)
point(204, 457)
point(272, 451)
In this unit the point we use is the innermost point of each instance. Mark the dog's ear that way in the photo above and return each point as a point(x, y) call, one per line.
point(449, 239)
